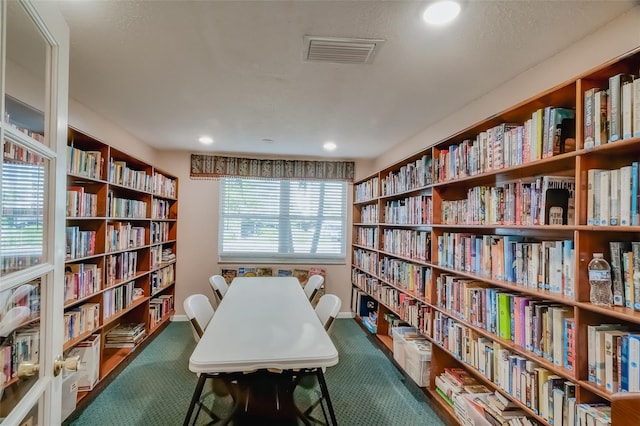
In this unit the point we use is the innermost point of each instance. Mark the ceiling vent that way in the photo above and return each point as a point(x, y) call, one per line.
point(340, 50)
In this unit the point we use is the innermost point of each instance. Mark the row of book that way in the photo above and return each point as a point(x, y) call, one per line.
point(545, 265)
point(160, 209)
point(541, 327)
point(121, 266)
point(410, 176)
point(124, 207)
point(367, 190)
point(408, 243)
point(159, 308)
point(120, 174)
point(405, 275)
point(163, 186)
point(612, 113)
point(525, 380)
point(613, 361)
point(366, 260)
point(364, 281)
point(550, 131)
point(159, 232)
point(416, 210)
point(117, 299)
point(125, 336)
point(545, 200)
point(81, 203)
point(124, 235)
point(81, 319)
point(19, 347)
point(84, 163)
point(369, 214)
point(17, 262)
point(367, 237)
point(89, 163)
point(81, 280)
point(612, 196)
point(79, 243)
point(455, 386)
point(162, 278)
point(625, 267)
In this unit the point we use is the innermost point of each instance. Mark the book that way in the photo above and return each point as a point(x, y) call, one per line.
point(601, 124)
point(616, 249)
point(626, 108)
point(589, 129)
point(229, 274)
point(615, 105)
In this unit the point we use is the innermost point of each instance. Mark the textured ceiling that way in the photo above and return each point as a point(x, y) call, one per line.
point(170, 71)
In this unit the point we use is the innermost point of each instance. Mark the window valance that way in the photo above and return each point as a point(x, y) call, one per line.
point(215, 166)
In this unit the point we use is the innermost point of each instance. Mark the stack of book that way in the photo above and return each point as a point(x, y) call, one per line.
point(453, 382)
point(499, 410)
point(125, 336)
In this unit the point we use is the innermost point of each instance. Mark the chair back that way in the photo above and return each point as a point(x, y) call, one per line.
point(199, 311)
point(327, 309)
point(219, 285)
point(313, 285)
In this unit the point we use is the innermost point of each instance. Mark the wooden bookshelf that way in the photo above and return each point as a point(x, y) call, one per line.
point(387, 193)
point(133, 215)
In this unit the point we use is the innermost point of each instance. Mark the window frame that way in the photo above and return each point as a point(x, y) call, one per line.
point(280, 257)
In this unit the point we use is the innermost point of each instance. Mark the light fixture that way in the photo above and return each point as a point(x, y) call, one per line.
point(205, 140)
point(267, 140)
point(441, 12)
point(329, 146)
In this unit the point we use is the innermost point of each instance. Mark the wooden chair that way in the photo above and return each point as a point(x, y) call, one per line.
point(219, 286)
point(313, 285)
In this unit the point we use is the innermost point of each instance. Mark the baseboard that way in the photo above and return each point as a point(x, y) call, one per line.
point(179, 318)
point(346, 315)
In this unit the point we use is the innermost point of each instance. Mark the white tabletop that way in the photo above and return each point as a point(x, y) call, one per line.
point(263, 322)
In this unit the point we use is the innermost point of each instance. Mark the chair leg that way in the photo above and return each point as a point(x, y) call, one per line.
point(195, 399)
point(325, 394)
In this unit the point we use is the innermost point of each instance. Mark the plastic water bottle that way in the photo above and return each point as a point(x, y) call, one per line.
point(600, 281)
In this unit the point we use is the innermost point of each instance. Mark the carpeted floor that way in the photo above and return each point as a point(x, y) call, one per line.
point(155, 389)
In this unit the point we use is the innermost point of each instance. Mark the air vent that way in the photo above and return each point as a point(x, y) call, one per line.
point(340, 50)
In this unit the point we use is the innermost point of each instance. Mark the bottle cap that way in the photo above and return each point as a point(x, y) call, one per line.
point(597, 254)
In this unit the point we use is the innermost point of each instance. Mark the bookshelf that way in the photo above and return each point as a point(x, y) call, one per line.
point(121, 235)
point(513, 190)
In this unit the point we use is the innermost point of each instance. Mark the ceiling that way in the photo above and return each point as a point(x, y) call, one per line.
point(171, 71)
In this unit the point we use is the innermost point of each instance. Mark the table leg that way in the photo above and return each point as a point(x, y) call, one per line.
point(195, 399)
point(325, 393)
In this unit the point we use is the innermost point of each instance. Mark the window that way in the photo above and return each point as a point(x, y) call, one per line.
point(282, 220)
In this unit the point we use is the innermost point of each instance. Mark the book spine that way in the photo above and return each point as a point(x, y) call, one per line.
point(636, 107)
point(605, 190)
point(635, 218)
point(627, 277)
point(615, 118)
point(624, 364)
point(625, 195)
point(633, 364)
point(635, 249)
point(589, 129)
point(614, 205)
point(615, 248)
point(627, 109)
point(601, 130)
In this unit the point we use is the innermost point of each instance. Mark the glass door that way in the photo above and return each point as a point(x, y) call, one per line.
point(33, 134)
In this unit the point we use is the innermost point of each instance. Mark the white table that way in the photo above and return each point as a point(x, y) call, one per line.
point(263, 323)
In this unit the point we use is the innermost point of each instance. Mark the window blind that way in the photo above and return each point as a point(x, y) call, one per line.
point(282, 220)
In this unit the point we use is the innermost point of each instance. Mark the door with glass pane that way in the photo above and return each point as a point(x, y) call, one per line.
point(35, 44)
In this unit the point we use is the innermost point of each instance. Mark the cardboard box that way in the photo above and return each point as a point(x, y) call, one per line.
point(89, 366)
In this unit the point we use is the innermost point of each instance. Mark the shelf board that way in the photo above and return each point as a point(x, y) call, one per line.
point(386, 340)
point(111, 358)
point(444, 407)
point(620, 312)
point(136, 302)
point(71, 343)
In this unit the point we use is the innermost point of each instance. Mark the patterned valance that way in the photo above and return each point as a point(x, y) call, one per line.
point(215, 166)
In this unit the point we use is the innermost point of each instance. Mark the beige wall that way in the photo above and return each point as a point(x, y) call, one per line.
point(614, 39)
point(198, 236)
point(198, 199)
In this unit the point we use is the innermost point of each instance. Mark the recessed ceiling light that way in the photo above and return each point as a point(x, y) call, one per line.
point(267, 140)
point(441, 12)
point(205, 140)
point(329, 146)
